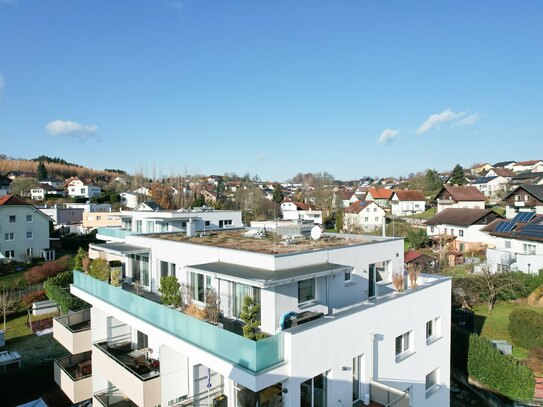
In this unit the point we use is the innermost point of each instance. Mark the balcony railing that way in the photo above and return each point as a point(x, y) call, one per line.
point(252, 355)
point(113, 397)
point(73, 331)
point(73, 374)
point(113, 232)
point(388, 396)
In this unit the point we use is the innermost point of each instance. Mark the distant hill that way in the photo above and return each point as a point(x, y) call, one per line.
point(56, 167)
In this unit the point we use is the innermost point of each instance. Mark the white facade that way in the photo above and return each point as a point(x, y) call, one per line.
point(443, 204)
point(90, 207)
point(83, 191)
point(493, 188)
point(290, 211)
point(406, 208)
point(516, 254)
point(372, 217)
point(467, 234)
point(527, 165)
point(129, 199)
point(64, 216)
point(352, 350)
point(24, 232)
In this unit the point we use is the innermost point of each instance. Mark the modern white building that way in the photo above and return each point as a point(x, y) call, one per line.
point(491, 187)
point(300, 211)
point(337, 334)
point(159, 221)
point(24, 230)
point(407, 202)
point(363, 216)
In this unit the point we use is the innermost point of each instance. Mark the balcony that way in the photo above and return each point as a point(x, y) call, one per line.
point(73, 331)
point(112, 397)
point(388, 396)
point(73, 374)
point(252, 355)
point(129, 370)
point(115, 234)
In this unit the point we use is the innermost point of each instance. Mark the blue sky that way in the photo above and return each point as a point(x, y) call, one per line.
point(274, 88)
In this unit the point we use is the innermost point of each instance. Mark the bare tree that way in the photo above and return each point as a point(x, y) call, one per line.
point(8, 304)
point(489, 285)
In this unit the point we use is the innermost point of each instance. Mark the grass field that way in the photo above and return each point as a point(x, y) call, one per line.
point(494, 325)
point(13, 280)
point(427, 214)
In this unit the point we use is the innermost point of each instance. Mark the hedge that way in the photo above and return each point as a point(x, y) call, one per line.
point(57, 289)
point(498, 371)
point(526, 328)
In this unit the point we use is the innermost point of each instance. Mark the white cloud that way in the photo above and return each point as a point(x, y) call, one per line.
point(262, 157)
point(468, 120)
point(71, 128)
point(388, 135)
point(447, 117)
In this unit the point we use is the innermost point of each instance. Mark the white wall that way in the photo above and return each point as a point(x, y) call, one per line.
point(462, 204)
point(38, 226)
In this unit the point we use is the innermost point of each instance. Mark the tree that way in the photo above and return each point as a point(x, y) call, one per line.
point(220, 188)
point(22, 185)
point(457, 175)
point(99, 269)
point(490, 285)
point(8, 304)
point(249, 315)
point(170, 291)
point(432, 180)
point(417, 238)
point(212, 306)
point(78, 260)
point(42, 171)
point(339, 220)
point(277, 193)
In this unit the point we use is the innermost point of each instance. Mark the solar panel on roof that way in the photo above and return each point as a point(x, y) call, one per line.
point(505, 227)
point(532, 231)
point(523, 217)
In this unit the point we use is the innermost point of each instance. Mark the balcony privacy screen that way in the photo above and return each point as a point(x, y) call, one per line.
point(252, 355)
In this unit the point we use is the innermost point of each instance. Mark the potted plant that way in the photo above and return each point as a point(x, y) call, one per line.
point(398, 281)
point(170, 291)
point(413, 271)
point(212, 306)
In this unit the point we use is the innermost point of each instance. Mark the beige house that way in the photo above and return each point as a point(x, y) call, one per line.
point(93, 220)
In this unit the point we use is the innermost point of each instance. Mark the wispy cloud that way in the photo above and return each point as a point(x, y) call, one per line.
point(447, 117)
point(71, 128)
point(262, 157)
point(388, 135)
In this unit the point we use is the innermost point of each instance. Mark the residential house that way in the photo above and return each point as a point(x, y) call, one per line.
point(534, 178)
point(95, 220)
point(452, 196)
point(524, 198)
point(363, 216)
point(405, 202)
point(380, 196)
point(426, 263)
point(81, 188)
point(129, 199)
point(42, 191)
point(148, 206)
point(143, 191)
point(531, 165)
point(24, 230)
point(310, 296)
point(519, 244)
point(461, 227)
point(480, 168)
point(69, 220)
point(90, 206)
point(21, 174)
point(54, 182)
point(300, 211)
point(5, 185)
point(344, 197)
point(505, 164)
point(491, 187)
point(209, 197)
point(500, 172)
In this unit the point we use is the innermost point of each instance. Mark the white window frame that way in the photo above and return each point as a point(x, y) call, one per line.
point(311, 300)
point(431, 382)
point(30, 235)
point(405, 342)
point(433, 330)
point(29, 218)
point(9, 236)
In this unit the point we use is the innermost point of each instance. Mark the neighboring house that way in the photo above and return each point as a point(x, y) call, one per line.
point(534, 178)
point(363, 216)
point(209, 197)
point(81, 188)
point(524, 198)
point(144, 221)
point(500, 172)
point(146, 192)
point(380, 196)
point(467, 197)
point(480, 168)
point(300, 211)
point(54, 182)
point(94, 220)
point(40, 192)
point(66, 218)
point(405, 202)
point(90, 207)
point(519, 244)
point(21, 174)
point(462, 228)
point(129, 199)
point(351, 338)
point(505, 164)
point(5, 185)
point(24, 230)
point(414, 257)
point(148, 206)
point(345, 197)
point(521, 166)
point(491, 187)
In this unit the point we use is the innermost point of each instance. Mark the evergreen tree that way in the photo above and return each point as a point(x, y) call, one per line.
point(42, 171)
point(432, 180)
point(220, 188)
point(249, 315)
point(457, 176)
point(277, 194)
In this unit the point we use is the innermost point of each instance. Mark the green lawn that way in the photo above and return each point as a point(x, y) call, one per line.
point(494, 325)
point(424, 215)
point(13, 280)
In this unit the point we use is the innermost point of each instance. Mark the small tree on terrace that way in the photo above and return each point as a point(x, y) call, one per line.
point(8, 304)
point(249, 315)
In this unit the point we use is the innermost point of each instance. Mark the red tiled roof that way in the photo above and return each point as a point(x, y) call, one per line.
point(380, 193)
point(503, 172)
point(465, 193)
point(345, 194)
point(357, 207)
point(411, 255)
point(529, 162)
point(302, 206)
point(11, 200)
point(407, 195)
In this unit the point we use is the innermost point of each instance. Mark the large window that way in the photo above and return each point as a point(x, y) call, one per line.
point(528, 248)
point(306, 290)
point(313, 392)
point(29, 218)
point(431, 382)
point(382, 271)
point(9, 236)
point(240, 292)
point(404, 344)
point(167, 269)
point(199, 283)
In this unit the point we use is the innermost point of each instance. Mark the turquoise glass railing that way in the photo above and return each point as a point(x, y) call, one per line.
point(112, 232)
point(252, 355)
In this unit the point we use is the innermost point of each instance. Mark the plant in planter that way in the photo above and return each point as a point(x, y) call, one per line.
point(115, 276)
point(413, 271)
point(212, 306)
point(398, 280)
point(99, 269)
point(186, 296)
point(170, 291)
point(137, 287)
point(249, 315)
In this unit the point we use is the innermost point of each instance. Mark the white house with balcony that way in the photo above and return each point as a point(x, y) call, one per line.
point(453, 197)
point(336, 333)
point(363, 216)
point(24, 231)
point(407, 202)
point(300, 211)
point(81, 188)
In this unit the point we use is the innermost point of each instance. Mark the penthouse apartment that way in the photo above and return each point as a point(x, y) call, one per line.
point(337, 333)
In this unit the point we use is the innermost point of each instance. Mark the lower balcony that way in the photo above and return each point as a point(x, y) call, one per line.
point(133, 373)
point(112, 397)
point(73, 331)
point(73, 374)
point(385, 395)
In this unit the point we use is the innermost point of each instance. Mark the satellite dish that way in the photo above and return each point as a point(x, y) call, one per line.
point(316, 233)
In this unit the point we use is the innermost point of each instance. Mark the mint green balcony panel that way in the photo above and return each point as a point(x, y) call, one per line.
point(111, 232)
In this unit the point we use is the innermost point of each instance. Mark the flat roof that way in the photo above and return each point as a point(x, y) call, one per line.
point(266, 278)
point(119, 248)
point(270, 244)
